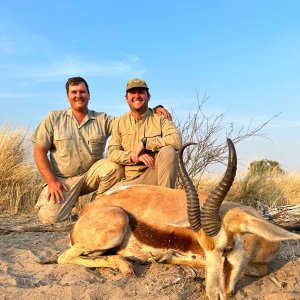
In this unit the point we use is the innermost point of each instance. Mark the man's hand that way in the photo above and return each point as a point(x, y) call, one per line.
point(147, 159)
point(136, 156)
point(55, 187)
point(162, 111)
point(136, 152)
point(55, 192)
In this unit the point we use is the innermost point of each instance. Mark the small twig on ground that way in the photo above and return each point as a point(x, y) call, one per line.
point(279, 284)
point(36, 228)
point(175, 281)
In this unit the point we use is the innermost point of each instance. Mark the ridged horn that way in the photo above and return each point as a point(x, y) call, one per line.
point(193, 207)
point(210, 210)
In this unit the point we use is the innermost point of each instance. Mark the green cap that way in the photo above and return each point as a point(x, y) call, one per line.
point(136, 83)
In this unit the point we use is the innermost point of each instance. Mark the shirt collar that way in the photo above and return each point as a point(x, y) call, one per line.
point(91, 113)
point(144, 116)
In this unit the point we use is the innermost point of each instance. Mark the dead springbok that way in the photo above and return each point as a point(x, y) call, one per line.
point(152, 223)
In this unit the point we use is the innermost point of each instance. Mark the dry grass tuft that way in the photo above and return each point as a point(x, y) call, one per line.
point(19, 180)
point(272, 190)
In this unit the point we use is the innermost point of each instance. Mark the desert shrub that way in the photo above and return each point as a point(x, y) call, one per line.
point(20, 182)
point(266, 183)
point(273, 190)
point(264, 167)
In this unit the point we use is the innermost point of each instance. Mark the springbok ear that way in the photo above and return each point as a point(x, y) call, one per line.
point(266, 230)
point(180, 223)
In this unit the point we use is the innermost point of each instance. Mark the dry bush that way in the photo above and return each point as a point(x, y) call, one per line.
point(210, 135)
point(19, 180)
point(273, 190)
point(275, 195)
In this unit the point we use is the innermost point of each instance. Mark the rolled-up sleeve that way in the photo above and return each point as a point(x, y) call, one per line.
point(109, 124)
point(43, 135)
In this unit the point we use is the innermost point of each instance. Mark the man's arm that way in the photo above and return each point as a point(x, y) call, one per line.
point(55, 187)
point(109, 124)
point(117, 154)
point(170, 137)
point(115, 151)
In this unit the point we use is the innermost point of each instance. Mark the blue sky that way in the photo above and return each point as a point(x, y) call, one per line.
point(244, 55)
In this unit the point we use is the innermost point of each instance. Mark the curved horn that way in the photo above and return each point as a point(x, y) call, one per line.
point(193, 207)
point(210, 210)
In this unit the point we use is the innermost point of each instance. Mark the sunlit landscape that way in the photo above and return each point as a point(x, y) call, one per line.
point(21, 183)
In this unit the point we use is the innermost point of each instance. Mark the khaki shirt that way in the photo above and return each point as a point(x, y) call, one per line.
point(73, 148)
point(128, 132)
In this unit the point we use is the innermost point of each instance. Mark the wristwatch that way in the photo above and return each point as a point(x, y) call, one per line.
point(144, 141)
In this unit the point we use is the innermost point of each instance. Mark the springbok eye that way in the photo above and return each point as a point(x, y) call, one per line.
point(228, 249)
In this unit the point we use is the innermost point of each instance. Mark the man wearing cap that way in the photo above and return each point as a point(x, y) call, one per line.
point(144, 142)
point(75, 139)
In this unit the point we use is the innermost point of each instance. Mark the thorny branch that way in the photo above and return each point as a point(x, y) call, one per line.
point(205, 130)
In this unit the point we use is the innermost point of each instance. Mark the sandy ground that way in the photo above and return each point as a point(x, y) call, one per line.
point(28, 271)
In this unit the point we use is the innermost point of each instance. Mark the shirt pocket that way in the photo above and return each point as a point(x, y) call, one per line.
point(97, 146)
point(153, 134)
point(62, 142)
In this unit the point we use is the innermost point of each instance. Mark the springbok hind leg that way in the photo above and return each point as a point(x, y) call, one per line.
point(116, 262)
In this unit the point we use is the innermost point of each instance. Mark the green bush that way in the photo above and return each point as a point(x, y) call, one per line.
point(264, 167)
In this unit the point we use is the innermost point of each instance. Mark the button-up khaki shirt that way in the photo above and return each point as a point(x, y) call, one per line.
point(128, 132)
point(74, 147)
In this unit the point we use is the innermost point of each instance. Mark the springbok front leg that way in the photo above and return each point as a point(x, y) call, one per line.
point(192, 261)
